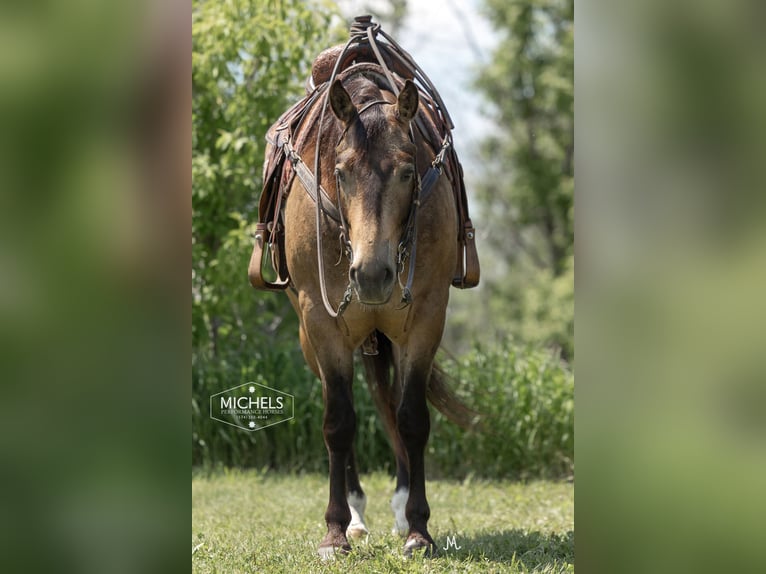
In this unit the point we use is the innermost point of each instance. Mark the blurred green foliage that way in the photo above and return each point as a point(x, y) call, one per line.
point(249, 61)
point(526, 428)
point(93, 360)
point(526, 190)
point(671, 435)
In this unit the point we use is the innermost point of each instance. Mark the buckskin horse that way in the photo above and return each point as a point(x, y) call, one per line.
point(380, 226)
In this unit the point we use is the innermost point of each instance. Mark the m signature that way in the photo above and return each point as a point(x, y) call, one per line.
point(452, 543)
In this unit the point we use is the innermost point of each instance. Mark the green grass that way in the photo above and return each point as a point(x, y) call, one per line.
point(246, 521)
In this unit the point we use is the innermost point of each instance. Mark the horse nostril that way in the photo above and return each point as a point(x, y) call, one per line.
point(371, 276)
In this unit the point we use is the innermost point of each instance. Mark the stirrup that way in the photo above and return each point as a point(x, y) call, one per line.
point(467, 271)
point(255, 269)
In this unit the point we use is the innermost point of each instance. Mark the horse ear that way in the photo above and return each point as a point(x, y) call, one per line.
point(407, 106)
point(341, 104)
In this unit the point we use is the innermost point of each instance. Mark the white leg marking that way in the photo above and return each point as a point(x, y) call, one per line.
point(357, 503)
point(398, 504)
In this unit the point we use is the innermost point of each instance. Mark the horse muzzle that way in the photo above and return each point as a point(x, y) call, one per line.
point(372, 282)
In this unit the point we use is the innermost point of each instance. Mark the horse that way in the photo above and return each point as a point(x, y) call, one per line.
point(350, 234)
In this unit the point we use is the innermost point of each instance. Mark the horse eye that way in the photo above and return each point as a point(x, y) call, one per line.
point(340, 174)
point(407, 174)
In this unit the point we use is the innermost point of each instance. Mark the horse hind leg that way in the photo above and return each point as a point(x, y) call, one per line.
point(401, 494)
point(357, 501)
point(401, 525)
point(385, 390)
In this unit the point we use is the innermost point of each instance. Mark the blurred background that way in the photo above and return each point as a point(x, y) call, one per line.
point(671, 394)
point(94, 254)
point(505, 72)
point(94, 298)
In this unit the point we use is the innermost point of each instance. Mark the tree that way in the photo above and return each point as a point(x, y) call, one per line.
point(527, 195)
point(249, 61)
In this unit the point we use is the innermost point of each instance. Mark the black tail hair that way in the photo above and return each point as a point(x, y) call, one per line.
point(383, 382)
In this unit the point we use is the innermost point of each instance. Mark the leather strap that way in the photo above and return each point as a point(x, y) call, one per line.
point(309, 183)
point(317, 186)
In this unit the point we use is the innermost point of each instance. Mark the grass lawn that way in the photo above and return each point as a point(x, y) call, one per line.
point(246, 521)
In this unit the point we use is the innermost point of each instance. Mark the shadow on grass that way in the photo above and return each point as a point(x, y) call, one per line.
point(535, 550)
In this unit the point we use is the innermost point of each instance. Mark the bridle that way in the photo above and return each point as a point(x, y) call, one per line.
point(364, 31)
point(374, 58)
point(407, 247)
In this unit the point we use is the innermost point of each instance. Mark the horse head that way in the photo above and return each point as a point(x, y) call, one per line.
point(376, 177)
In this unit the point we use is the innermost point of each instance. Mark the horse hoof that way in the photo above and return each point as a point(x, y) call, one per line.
point(329, 552)
point(357, 531)
point(417, 544)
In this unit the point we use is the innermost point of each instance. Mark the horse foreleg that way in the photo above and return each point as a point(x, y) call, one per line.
point(339, 426)
point(414, 426)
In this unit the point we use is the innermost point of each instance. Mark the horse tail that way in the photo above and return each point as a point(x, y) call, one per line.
point(440, 394)
point(382, 378)
point(385, 387)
